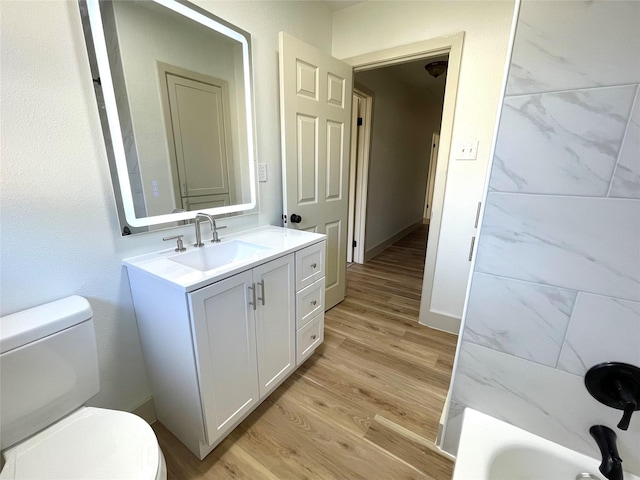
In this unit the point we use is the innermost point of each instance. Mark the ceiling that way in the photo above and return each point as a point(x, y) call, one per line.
point(414, 76)
point(340, 4)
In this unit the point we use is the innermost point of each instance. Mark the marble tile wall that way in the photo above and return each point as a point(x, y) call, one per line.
point(556, 284)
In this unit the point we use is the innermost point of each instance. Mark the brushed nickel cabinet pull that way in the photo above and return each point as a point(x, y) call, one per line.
point(314, 336)
point(314, 265)
point(313, 302)
point(262, 298)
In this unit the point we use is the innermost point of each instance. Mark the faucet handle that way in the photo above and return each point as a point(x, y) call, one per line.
point(214, 229)
point(629, 405)
point(180, 246)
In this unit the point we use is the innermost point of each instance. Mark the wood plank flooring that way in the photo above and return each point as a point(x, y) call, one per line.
point(366, 405)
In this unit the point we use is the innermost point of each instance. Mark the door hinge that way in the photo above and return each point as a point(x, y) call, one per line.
point(284, 219)
point(478, 214)
point(473, 242)
point(359, 121)
point(354, 244)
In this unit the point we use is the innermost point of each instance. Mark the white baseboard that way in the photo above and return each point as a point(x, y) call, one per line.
point(441, 321)
point(372, 252)
point(146, 410)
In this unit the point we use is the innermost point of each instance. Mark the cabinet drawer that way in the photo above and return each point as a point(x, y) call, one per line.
point(309, 303)
point(309, 265)
point(309, 337)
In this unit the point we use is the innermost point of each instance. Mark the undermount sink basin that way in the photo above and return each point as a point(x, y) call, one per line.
point(219, 255)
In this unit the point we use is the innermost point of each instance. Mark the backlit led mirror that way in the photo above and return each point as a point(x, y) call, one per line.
point(173, 85)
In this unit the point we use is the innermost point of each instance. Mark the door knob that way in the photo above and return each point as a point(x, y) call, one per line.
point(295, 218)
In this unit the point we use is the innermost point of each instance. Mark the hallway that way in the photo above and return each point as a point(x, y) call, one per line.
point(366, 405)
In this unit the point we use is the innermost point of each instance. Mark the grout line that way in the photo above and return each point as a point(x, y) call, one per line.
point(531, 282)
point(579, 290)
point(624, 138)
point(565, 90)
point(528, 360)
point(558, 195)
point(566, 332)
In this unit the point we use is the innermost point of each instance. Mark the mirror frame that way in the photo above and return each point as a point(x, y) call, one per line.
point(96, 41)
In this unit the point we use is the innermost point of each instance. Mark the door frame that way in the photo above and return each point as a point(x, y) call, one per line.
point(447, 44)
point(359, 173)
point(433, 162)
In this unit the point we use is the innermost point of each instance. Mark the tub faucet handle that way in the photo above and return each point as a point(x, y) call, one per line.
point(630, 405)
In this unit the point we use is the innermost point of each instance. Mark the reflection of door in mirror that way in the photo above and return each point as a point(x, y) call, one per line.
point(196, 113)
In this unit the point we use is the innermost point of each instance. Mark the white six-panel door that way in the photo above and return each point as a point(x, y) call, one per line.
point(315, 97)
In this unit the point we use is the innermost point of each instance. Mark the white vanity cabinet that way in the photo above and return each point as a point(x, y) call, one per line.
point(215, 351)
point(310, 264)
point(244, 341)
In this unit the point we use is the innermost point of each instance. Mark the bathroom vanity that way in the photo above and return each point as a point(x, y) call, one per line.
point(223, 325)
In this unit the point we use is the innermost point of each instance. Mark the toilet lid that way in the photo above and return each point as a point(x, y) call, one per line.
point(91, 443)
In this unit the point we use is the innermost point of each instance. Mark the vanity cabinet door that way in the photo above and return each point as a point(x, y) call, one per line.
point(275, 321)
point(225, 341)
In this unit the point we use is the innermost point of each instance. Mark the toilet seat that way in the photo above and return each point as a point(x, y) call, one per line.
point(90, 443)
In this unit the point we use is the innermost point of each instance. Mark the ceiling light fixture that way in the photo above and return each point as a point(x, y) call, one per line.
point(435, 69)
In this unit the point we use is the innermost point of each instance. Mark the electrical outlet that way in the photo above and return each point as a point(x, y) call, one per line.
point(467, 151)
point(262, 172)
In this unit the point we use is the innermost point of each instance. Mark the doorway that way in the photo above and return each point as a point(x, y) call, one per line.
point(450, 45)
point(395, 146)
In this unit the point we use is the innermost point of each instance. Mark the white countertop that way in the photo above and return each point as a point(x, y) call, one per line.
point(280, 241)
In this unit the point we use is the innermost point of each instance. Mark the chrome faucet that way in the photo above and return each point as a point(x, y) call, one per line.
point(611, 466)
point(214, 228)
point(200, 217)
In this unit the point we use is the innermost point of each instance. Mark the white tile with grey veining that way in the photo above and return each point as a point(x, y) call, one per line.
point(561, 143)
point(602, 329)
point(453, 428)
point(547, 402)
point(626, 179)
point(561, 45)
point(581, 243)
point(524, 319)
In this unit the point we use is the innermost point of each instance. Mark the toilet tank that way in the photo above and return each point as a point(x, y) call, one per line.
point(48, 366)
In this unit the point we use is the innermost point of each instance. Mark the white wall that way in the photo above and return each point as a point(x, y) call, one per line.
point(403, 122)
point(59, 230)
point(556, 284)
point(373, 26)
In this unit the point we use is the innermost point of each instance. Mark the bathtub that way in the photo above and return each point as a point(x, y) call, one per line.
point(494, 450)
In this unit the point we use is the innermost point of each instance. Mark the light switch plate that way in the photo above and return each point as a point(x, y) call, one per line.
point(467, 150)
point(262, 172)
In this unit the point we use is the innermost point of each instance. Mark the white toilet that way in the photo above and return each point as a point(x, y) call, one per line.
point(48, 369)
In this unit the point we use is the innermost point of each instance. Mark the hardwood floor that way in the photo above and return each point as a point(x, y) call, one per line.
point(366, 405)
